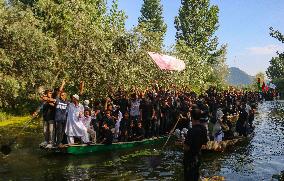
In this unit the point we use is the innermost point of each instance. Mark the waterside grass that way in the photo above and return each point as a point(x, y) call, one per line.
point(7, 120)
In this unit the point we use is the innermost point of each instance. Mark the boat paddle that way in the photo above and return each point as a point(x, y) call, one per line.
point(171, 132)
point(6, 148)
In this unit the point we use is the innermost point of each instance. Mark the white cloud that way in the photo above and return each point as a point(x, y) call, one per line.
point(266, 50)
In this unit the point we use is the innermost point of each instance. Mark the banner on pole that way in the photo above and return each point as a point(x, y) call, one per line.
point(166, 62)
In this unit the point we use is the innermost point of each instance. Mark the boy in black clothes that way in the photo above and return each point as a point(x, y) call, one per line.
point(124, 126)
point(107, 135)
point(131, 132)
point(140, 132)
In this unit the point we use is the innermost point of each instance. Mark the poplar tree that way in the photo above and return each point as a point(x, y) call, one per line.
point(152, 22)
point(196, 24)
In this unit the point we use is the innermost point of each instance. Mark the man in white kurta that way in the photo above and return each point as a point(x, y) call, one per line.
point(75, 127)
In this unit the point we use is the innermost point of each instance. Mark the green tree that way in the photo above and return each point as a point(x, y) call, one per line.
point(196, 25)
point(27, 55)
point(152, 24)
point(220, 70)
point(196, 44)
point(52, 40)
point(275, 70)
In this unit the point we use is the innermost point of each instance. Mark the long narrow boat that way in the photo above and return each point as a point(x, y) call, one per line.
point(221, 146)
point(95, 148)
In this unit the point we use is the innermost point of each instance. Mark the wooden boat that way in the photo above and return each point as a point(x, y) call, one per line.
point(95, 148)
point(221, 146)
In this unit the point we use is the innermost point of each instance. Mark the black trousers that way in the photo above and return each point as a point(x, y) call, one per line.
point(60, 130)
point(191, 170)
point(147, 124)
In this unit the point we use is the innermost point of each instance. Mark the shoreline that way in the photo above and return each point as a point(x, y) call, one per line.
point(11, 120)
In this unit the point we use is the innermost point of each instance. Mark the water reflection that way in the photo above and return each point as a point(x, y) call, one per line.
point(259, 158)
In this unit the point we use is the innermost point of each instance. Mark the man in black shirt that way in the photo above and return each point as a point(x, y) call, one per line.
point(124, 126)
point(60, 117)
point(147, 113)
point(241, 125)
point(195, 138)
point(48, 112)
point(123, 104)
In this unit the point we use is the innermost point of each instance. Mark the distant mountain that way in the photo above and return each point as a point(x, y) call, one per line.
point(238, 77)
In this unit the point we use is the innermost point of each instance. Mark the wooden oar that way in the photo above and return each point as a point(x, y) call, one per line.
point(171, 132)
point(6, 148)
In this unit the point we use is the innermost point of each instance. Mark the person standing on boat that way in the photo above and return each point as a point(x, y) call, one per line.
point(217, 132)
point(195, 138)
point(147, 114)
point(134, 108)
point(86, 119)
point(48, 111)
point(75, 127)
point(60, 117)
point(241, 125)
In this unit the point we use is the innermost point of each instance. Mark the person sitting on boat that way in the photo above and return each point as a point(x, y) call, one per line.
point(75, 127)
point(124, 126)
point(109, 119)
point(131, 131)
point(107, 135)
point(86, 119)
point(140, 132)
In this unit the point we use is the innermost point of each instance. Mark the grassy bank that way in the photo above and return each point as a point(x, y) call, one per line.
point(6, 119)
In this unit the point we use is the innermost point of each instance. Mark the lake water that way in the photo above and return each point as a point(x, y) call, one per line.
point(261, 158)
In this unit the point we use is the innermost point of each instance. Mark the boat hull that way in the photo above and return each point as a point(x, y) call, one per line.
point(95, 148)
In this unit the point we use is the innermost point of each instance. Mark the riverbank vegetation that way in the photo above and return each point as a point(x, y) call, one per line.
point(276, 69)
point(12, 120)
point(45, 41)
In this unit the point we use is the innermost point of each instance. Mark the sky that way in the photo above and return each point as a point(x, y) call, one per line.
point(243, 26)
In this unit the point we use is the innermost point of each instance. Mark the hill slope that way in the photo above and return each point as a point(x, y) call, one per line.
point(238, 77)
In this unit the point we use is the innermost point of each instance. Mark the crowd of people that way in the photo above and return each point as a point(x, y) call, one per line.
point(135, 114)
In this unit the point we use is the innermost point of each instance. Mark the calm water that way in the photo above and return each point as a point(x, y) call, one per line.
point(259, 159)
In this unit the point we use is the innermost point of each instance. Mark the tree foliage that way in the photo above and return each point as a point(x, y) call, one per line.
point(275, 70)
point(196, 25)
point(152, 23)
point(45, 41)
